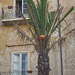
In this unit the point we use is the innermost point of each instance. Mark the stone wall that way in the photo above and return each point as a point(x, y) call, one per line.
point(68, 52)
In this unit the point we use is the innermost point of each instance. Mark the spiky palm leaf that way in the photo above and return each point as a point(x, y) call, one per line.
point(37, 15)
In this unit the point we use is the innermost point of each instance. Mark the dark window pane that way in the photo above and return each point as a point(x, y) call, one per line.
point(23, 65)
point(24, 1)
point(24, 5)
point(24, 72)
point(24, 11)
point(24, 56)
point(18, 8)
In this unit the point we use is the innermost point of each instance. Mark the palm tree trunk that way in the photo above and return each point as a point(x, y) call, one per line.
point(43, 62)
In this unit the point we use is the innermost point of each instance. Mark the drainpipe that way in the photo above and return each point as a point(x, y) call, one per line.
point(60, 42)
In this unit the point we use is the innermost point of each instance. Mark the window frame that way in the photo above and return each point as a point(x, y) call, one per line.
point(20, 52)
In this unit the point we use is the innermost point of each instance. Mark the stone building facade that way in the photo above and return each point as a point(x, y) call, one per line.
point(11, 44)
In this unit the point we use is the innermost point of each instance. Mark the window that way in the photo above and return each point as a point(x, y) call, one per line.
point(21, 6)
point(20, 63)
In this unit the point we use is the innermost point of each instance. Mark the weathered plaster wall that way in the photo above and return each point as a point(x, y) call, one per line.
point(9, 37)
point(69, 54)
point(4, 4)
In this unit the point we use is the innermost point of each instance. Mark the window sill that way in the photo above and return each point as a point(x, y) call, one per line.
point(15, 20)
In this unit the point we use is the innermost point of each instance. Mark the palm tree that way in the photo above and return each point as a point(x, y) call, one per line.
point(43, 23)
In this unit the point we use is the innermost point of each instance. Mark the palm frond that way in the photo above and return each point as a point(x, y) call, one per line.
point(33, 16)
point(63, 18)
point(40, 23)
point(33, 35)
point(56, 41)
point(23, 35)
point(50, 20)
point(39, 12)
point(54, 19)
